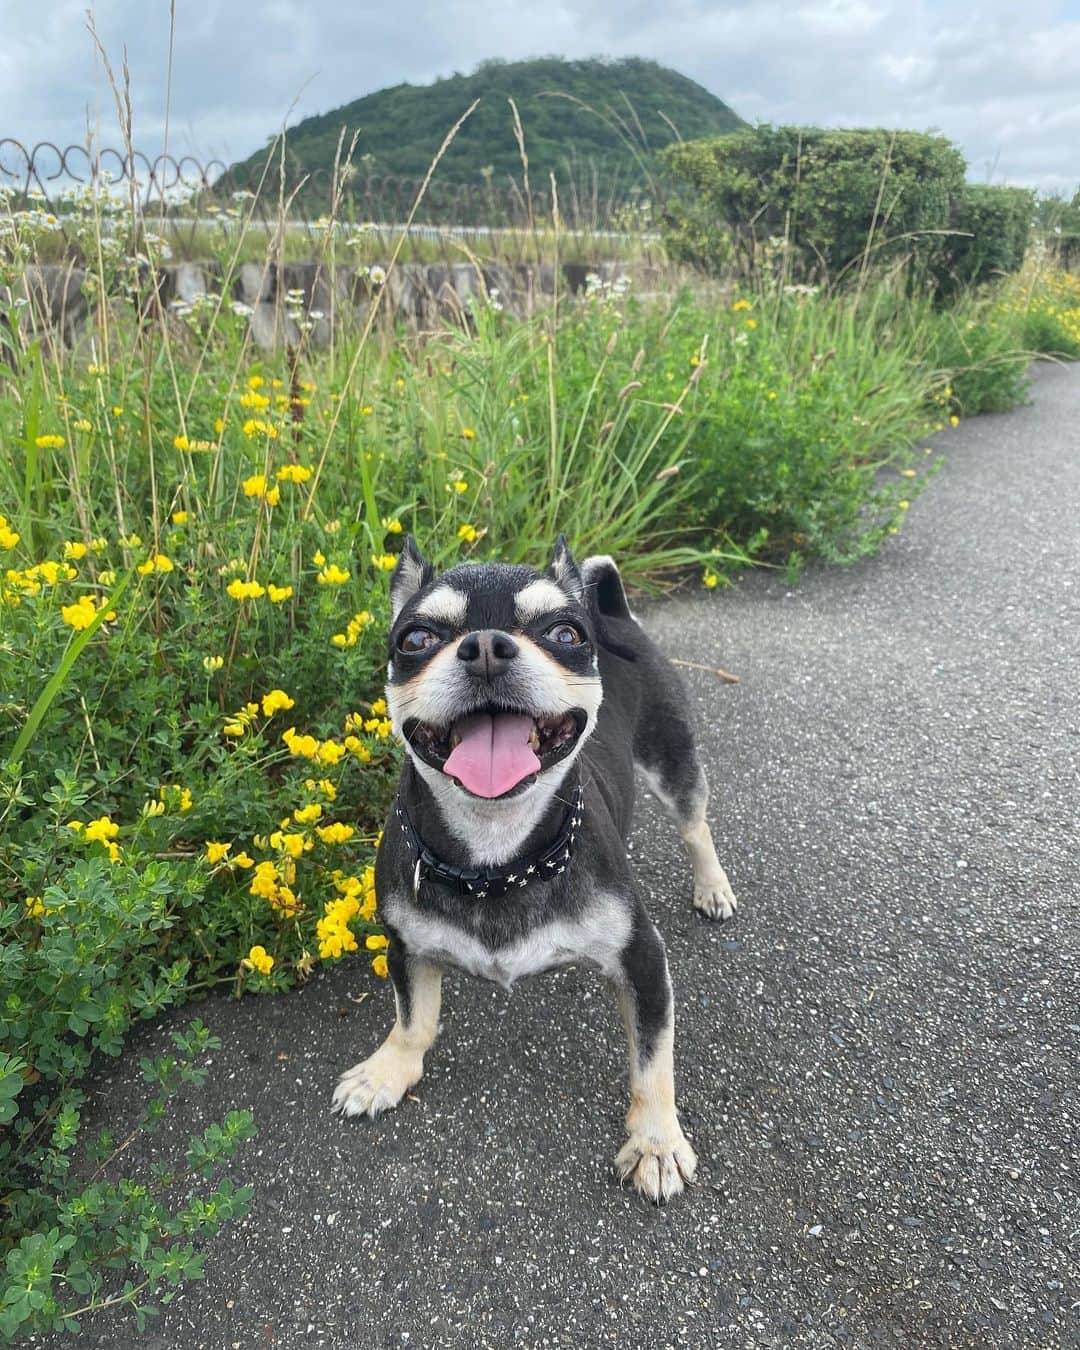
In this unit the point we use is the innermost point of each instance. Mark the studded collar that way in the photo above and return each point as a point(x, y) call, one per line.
point(483, 883)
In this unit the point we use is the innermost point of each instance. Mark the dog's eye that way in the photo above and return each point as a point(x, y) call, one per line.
point(415, 640)
point(565, 633)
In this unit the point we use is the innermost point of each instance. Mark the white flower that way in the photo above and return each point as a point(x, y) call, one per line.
point(377, 275)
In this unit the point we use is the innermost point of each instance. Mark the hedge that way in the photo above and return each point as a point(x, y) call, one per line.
point(836, 196)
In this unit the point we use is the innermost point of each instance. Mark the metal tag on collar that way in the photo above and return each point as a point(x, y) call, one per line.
point(416, 880)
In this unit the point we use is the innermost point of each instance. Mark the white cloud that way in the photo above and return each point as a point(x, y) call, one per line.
point(1000, 79)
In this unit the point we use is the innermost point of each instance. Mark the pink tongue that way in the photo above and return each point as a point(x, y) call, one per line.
point(493, 754)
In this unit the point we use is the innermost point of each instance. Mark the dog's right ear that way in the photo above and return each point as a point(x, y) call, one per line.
point(412, 573)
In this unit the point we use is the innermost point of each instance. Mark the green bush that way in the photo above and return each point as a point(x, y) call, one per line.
point(836, 197)
point(79, 963)
point(993, 226)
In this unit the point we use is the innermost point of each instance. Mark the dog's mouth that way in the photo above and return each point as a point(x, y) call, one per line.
point(496, 751)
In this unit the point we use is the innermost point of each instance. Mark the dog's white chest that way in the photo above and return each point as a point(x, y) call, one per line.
point(597, 936)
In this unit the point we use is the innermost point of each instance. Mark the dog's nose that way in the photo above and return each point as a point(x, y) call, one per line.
point(487, 653)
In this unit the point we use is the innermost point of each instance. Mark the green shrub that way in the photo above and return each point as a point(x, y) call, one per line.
point(993, 226)
point(79, 963)
point(836, 197)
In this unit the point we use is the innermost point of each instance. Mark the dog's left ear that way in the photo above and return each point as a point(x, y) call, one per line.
point(564, 571)
point(412, 573)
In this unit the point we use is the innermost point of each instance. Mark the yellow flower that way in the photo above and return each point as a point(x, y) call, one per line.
point(330, 752)
point(49, 442)
point(255, 486)
point(35, 906)
point(180, 517)
point(257, 427)
point(181, 443)
point(903, 505)
point(118, 411)
point(457, 485)
point(103, 830)
point(468, 433)
point(379, 707)
point(244, 590)
point(243, 860)
point(255, 381)
point(469, 533)
point(8, 537)
point(260, 959)
point(709, 578)
point(335, 833)
point(332, 575)
point(273, 495)
point(391, 526)
point(265, 880)
point(741, 304)
point(375, 942)
point(294, 473)
point(954, 421)
point(318, 558)
point(751, 323)
point(157, 562)
point(151, 809)
point(212, 663)
point(385, 561)
point(307, 747)
point(81, 614)
point(278, 593)
point(292, 844)
point(83, 425)
point(252, 400)
point(366, 410)
point(216, 852)
point(307, 815)
point(74, 549)
point(380, 967)
point(276, 700)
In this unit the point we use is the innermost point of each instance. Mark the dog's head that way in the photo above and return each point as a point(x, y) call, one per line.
point(493, 676)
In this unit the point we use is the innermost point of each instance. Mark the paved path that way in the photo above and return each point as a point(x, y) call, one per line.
point(877, 1064)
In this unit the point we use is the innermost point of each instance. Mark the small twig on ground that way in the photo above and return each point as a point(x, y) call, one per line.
point(724, 675)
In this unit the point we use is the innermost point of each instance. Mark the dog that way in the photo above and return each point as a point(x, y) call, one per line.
point(525, 700)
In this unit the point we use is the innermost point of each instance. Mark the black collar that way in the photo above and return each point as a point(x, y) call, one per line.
point(484, 882)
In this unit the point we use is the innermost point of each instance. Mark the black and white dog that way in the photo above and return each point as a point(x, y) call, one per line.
point(525, 701)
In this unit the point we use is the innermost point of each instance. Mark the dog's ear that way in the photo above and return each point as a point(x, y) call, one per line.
point(412, 573)
point(564, 571)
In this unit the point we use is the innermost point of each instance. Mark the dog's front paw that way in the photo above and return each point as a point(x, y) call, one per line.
point(659, 1168)
point(714, 897)
point(377, 1083)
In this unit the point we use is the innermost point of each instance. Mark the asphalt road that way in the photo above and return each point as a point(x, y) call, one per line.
point(877, 1063)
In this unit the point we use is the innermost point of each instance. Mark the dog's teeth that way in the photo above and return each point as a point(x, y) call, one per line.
point(534, 739)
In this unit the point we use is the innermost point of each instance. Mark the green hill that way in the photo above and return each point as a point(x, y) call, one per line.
point(637, 107)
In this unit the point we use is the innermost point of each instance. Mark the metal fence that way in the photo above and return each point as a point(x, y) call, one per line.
point(186, 193)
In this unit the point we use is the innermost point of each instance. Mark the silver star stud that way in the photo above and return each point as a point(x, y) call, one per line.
point(530, 870)
point(512, 877)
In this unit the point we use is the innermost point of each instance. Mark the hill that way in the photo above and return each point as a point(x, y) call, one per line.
point(637, 107)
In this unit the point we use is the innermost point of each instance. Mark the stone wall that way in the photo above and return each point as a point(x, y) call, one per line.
point(284, 301)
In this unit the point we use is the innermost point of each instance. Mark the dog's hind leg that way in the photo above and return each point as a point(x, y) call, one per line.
point(657, 1157)
point(380, 1081)
point(670, 765)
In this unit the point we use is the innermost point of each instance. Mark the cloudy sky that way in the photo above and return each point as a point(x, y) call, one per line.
point(1001, 79)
